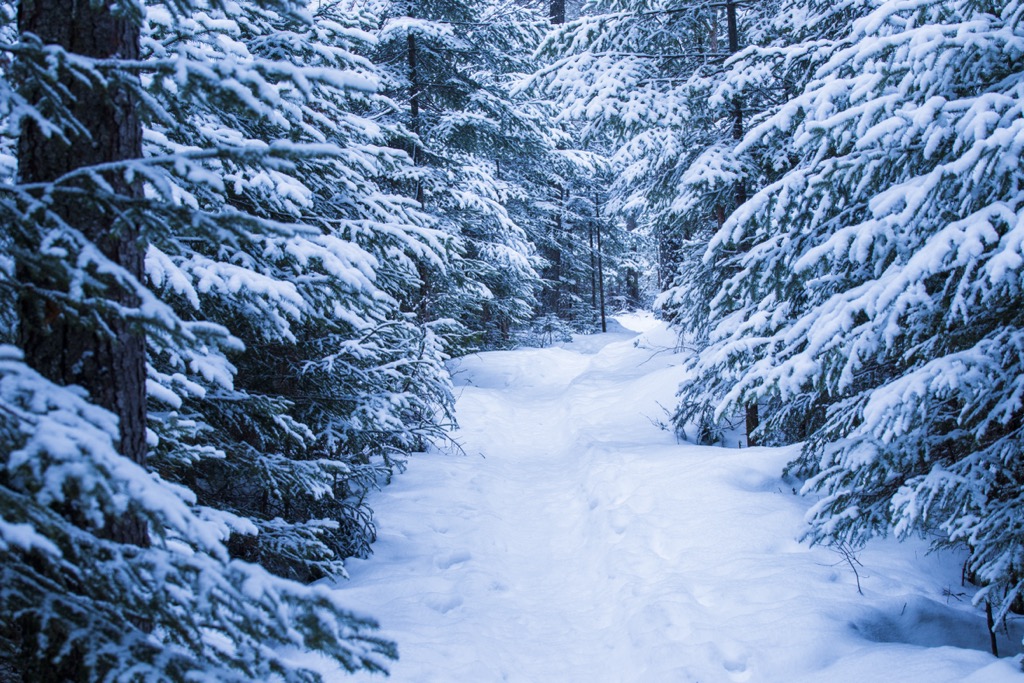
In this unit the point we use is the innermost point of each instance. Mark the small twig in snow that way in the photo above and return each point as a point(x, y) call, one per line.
point(849, 556)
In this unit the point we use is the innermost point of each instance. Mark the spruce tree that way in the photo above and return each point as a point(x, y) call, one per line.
point(637, 76)
point(306, 261)
point(879, 287)
point(452, 68)
point(273, 264)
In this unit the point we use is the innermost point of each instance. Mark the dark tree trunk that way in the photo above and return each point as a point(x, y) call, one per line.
point(593, 270)
point(734, 47)
point(991, 629)
point(600, 262)
point(414, 107)
point(551, 296)
point(633, 275)
point(553, 273)
point(66, 346)
point(557, 12)
point(423, 301)
point(752, 418)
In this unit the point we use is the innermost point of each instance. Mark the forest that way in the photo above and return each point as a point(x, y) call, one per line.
point(243, 241)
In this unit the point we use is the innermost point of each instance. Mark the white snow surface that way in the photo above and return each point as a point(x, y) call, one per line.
point(575, 541)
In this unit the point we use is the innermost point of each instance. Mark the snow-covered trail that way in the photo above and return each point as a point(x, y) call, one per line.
point(575, 541)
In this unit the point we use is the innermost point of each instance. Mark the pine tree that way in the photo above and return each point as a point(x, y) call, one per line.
point(335, 382)
point(569, 237)
point(248, 186)
point(452, 68)
point(879, 286)
point(637, 76)
point(643, 80)
point(765, 67)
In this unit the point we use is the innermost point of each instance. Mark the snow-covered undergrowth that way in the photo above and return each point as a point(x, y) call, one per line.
point(577, 542)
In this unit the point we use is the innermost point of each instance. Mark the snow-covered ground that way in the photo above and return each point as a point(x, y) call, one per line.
point(577, 542)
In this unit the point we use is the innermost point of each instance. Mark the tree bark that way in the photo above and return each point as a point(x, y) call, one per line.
point(593, 270)
point(100, 351)
point(600, 263)
point(414, 107)
point(557, 12)
point(552, 253)
point(633, 275)
point(993, 644)
point(752, 417)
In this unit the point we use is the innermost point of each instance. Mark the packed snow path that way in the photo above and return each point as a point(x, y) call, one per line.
point(577, 542)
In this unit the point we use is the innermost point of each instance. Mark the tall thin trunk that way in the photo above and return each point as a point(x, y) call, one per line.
point(553, 272)
point(713, 37)
point(734, 47)
point(600, 262)
point(752, 418)
point(414, 106)
point(633, 276)
point(556, 14)
point(593, 270)
point(423, 301)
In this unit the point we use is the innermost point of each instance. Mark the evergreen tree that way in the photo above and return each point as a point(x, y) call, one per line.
point(879, 282)
point(758, 76)
point(335, 382)
point(224, 145)
point(451, 68)
point(576, 239)
point(638, 76)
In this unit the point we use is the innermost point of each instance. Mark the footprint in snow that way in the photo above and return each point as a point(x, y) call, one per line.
point(441, 603)
point(453, 559)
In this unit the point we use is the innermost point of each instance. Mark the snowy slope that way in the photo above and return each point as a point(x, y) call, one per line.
point(576, 541)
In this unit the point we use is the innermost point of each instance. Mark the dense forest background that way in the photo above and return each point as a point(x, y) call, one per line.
point(241, 239)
